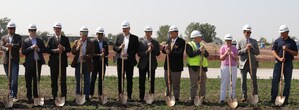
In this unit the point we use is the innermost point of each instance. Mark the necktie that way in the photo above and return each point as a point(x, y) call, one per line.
point(172, 43)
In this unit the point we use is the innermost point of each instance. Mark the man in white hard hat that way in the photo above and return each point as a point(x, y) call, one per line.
point(174, 47)
point(86, 58)
point(248, 44)
point(129, 43)
point(147, 46)
point(11, 42)
point(194, 50)
point(284, 42)
point(226, 51)
point(33, 49)
point(58, 44)
point(101, 51)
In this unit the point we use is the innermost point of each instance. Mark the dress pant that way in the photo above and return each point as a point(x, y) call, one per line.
point(175, 80)
point(86, 78)
point(13, 77)
point(142, 79)
point(244, 72)
point(288, 71)
point(97, 71)
point(194, 78)
point(54, 81)
point(30, 75)
point(128, 68)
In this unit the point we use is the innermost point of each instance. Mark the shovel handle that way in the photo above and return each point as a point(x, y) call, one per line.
point(168, 75)
point(281, 73)
point(250, 69)
point(102, 70)
point(81, 66)
point(122, 71)
point(9, 71)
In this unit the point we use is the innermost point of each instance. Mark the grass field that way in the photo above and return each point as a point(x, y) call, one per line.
point(212, 96)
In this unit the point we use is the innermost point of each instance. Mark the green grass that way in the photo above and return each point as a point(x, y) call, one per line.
point(212, 95)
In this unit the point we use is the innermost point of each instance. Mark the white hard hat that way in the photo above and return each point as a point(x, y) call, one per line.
point(125, 24)
point(83, 29)
point(246, 27)
point(228, 37)
point(283, 28)
point(195, 33)
point(11, 25)
point(57, 25)
point(234, 42)
point(100, 30)
point(148, 29)
point(173, 28)
point(32, 26)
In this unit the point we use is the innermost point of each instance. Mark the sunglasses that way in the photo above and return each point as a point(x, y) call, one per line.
point(11, 28)
point(248, 32)
point(32, 30)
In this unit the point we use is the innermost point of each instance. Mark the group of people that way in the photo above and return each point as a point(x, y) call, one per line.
point(89, 54)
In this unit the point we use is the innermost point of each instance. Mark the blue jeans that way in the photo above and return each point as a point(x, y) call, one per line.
point(13, 77)
point(288, 69)
point(86, 76)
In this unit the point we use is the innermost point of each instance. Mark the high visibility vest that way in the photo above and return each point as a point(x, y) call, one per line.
point(196, 60)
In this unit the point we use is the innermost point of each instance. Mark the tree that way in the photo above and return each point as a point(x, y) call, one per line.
point(111, 38)
point(3, 26)
point(294, 38)
point(43, 35)
point(162, 33)
point(207, 30)
point(263, 39)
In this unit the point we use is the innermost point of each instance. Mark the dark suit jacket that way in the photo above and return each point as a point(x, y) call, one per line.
point(54, 57)
point(97, 59)
point(87, 57)
point(132, 49)
point(17, 43)
point(29, 52)
point(176, 56)
point(144, 57)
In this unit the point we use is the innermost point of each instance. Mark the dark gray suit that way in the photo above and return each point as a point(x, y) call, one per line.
point(143, 64)
point(244, 64)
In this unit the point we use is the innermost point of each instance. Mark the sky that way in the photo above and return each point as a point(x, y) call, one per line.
point(229, 16)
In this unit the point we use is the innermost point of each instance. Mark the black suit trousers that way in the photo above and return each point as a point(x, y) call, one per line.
point(128, 69)
point(54, 81)
point(30, 75)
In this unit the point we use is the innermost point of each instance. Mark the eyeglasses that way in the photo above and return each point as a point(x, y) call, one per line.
point(11, 28)
point(32, 30)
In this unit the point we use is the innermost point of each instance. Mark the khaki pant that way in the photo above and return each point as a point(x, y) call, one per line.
point(194, 78)
point(174, 83)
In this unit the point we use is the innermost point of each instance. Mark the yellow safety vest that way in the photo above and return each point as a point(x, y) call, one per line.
point(195, 61)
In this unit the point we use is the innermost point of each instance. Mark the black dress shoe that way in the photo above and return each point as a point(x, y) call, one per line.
point(29, 101)
point(130, 99)
point(177, 100)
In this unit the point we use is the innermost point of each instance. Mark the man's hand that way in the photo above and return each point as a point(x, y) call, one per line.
point(248, 46)
point(166, 49)
point(34, 47)
point(9, 46)
point(122, 46)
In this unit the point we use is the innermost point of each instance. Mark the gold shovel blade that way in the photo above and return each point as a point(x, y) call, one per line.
point(80, 99)
point(8, 102)
point(255, 99)
point(170, 101)
point(103, 99)
point(59, 101)
point(149, 98)
point(233, 103)
point(38, 101)
point(123, 98)
point(198, 100)
point(279, 100)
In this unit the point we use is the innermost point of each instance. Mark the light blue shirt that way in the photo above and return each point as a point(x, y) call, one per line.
point(100, 45)
point(34, 42)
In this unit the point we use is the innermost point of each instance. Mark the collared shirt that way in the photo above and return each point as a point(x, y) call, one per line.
point(34, 42)
point(290, 43)
point(126, 42)
point(83, 49)
point(100, 45)
point(58, 38)
point(223, 50)
point(10, 38)
point(173, 42)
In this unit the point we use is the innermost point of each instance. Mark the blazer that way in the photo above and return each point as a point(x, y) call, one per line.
point(132, 48)
point(176, 56)
point(144, 57)
point(17, 43)
point(87, 57)
point(29, 52)
point(54, 57)
point(243, 55)
point(97, 59)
